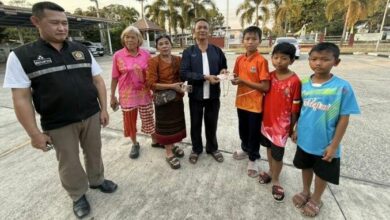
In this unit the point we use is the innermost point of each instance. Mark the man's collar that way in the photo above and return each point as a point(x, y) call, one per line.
point(65, 44)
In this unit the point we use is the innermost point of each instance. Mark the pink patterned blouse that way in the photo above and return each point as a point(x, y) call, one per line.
point(130, 71)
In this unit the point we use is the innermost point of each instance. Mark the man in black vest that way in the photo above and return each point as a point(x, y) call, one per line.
point(62, 81)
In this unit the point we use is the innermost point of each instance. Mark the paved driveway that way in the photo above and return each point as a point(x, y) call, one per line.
point(149, 189)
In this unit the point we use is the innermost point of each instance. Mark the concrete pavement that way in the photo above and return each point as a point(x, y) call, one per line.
point(149, 189)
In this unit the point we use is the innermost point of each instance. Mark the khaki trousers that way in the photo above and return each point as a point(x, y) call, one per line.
point(67, 140)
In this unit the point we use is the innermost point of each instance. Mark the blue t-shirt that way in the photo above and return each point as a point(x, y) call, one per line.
point(322, 105)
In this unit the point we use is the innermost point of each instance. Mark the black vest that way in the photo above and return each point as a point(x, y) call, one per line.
point(62, 86)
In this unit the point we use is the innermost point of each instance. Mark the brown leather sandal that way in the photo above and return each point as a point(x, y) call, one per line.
point(173, 162)
point(178, 151)
point(217, 155)
point(193, 157)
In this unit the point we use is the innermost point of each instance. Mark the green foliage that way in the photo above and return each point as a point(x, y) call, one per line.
point(124, 15)
point(254, 10)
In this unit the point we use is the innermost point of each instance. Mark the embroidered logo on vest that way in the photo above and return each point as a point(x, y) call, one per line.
point(78, 55)
point(42, 61)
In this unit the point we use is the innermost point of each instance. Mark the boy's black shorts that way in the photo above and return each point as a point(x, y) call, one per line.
point(328, 171)
point(276, 151)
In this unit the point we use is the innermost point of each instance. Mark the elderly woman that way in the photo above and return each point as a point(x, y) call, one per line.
point(163, 74)
point(129, 74)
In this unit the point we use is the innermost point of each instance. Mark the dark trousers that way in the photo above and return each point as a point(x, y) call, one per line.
point(249, 124)
point(211, 110)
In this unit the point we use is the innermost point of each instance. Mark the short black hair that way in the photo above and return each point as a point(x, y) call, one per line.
point(285, 48)
point(38, 8)
point(326, 46)
point(252, 29)
point(201, 19)
point(163, 36)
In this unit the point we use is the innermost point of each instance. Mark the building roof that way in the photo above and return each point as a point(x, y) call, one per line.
point(11, 16)
point(146, 25)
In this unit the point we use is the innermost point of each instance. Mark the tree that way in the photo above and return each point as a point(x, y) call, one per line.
point(215, 18)
point(286, 11)
point(124, 15)
point(157, 12)
point(354, 10)
point(256, 10)
point(193, 9)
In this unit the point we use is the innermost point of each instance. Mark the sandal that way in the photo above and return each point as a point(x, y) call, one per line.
point(253, 169)
point(278, 193)
point(193, 157)
point(178, 152)
point(264, 178)
point(157, 145)
point(311, 208)
point(217, 155)
point(240, 155)
point(300, 199)
point(173, 162)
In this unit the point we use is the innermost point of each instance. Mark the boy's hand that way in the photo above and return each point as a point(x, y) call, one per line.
point(294, 136)
point(329, 153)
point(236, 81)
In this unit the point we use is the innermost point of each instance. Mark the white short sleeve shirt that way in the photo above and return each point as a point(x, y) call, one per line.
point(16, 77)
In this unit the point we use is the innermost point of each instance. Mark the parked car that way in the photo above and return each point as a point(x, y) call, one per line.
point(290, 40)
point(94, 48)
point(151, 50)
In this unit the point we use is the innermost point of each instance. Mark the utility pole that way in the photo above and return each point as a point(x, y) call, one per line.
point(100, 25)
point(383, 24)
point(142, 7)
point(227, 35)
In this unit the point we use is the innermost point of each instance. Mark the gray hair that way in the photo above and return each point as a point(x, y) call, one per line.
point(132, 29)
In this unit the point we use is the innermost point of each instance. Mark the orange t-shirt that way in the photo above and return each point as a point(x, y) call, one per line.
point(255, 69)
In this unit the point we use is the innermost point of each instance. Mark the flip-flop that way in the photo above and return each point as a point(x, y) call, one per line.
point(311, 208)
point(278, 193)
point(300, 199)
point(253, 166)
point(264, 178)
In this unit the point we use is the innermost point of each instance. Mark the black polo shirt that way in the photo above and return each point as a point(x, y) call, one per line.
point(61, 81)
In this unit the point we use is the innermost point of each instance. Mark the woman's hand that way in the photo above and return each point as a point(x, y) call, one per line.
point(178, 87)
point(114, 103)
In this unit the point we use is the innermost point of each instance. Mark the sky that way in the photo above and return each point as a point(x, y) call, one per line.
point(71, 5)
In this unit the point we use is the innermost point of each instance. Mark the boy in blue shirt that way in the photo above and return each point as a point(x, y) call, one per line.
point(327, 103)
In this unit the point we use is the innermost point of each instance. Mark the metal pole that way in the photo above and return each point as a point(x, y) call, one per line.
point(100, 25)
point(109, 39)
point(227, 25)
point(383, 23)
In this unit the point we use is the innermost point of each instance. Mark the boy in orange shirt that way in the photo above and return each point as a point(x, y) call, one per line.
point(252, 80)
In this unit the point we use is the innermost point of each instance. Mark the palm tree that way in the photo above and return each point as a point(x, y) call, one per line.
point(193, 9)
point(121, 13)
point(286, 11)
point(173, 15)
point(156, 12)
point(355, 10)
point(256, 10)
